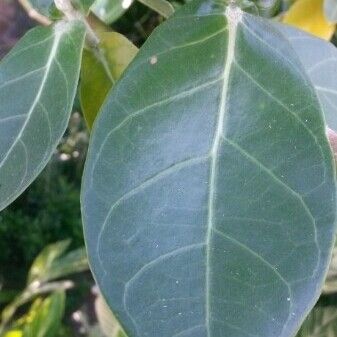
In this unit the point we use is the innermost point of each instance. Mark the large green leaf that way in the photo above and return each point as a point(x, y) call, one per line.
point(322, 322)
point(38, 81)
point(319, 58)
point(209, 190)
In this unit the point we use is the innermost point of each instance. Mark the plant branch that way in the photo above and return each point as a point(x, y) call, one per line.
point(34, 14)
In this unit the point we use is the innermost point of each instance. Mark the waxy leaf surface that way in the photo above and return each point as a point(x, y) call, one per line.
point(209, 190)
point(38, 81)
point(319, 59)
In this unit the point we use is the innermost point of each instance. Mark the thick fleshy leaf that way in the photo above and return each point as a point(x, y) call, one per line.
point(101, 70)
point(38, 81)
point(319, 58)
point(209, 191)
point(321, 322)
point(330, 10)
point(308, 15)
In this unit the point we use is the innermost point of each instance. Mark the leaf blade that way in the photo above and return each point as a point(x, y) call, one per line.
point(32, 120)
point(175, 229)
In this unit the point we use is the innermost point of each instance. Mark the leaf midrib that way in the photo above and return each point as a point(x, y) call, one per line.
point(233, 17)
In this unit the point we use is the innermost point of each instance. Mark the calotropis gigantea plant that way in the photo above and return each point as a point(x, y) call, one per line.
point(208, 197)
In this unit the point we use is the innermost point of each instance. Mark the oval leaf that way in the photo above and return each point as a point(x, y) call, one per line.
point(100, 71)
point(308, 15)
point(209, 190)
point(38, 81)
point(319, 58)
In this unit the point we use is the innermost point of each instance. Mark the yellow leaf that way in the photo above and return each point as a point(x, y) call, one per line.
point(100, 72)
point(308, 15)
point(13, 333)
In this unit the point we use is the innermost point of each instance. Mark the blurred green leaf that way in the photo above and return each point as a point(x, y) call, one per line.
point(44, 261)
point(49, 265)
point(45, 316)
point(110, 10)
point(162, 7)
point(83, 5)
point(100, 71)
point(321, 322)
point(74, 262)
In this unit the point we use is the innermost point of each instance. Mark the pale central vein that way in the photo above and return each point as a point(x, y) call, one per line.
point(233, 16)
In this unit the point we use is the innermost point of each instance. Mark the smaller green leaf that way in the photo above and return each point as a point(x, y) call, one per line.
point(162, 7)
point(38, 82)
point(49, 265)
point(101, 70)
point(74, 262)
point(45, 316)
point(321, 322)
point(43, 262)
point(330, 10)
point(110, 10)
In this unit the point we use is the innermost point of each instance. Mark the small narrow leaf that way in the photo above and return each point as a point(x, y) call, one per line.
point(209, 197)
point(38, 81)
point(308, 15)
point(101, 70)
point(45, 316)
point(53, 263)
point(163, 7)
